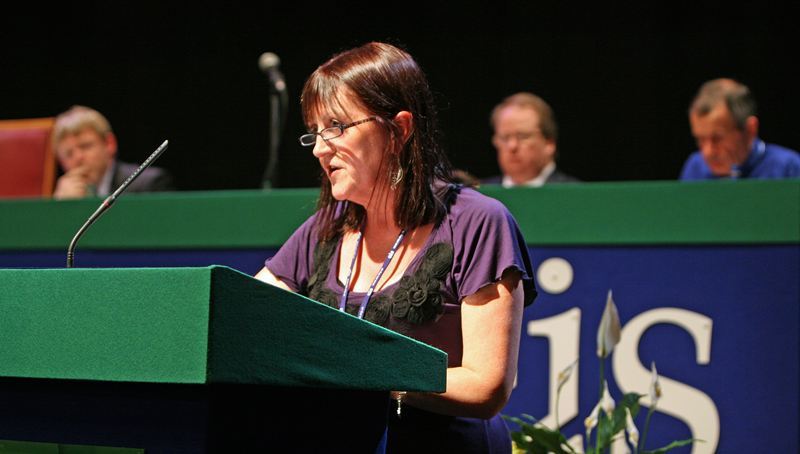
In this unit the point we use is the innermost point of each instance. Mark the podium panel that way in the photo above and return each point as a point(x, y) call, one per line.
point(194, 360)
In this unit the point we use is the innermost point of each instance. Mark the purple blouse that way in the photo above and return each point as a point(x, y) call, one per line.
point(474, 244)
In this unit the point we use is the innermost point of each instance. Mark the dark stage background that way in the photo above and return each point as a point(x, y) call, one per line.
point(619, 77)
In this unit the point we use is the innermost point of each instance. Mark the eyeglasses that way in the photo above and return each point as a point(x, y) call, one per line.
point(519, 136)
point(308, 140)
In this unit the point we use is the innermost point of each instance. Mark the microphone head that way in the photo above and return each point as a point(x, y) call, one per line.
point(268, 61)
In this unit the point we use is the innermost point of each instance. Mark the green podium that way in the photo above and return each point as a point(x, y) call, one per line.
point(194, 360)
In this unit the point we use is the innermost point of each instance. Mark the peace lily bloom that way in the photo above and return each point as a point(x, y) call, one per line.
point(608, 333)
point(564, 375)
point(630, 427)
point(607, 402)
point(591, 421)
point(610, 426)
point(655, 386)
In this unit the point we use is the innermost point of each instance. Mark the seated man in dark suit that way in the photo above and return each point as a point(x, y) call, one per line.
point(725, 126)
point(525, 134)
point(86, 149)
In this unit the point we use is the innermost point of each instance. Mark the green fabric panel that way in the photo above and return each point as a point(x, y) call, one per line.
point(618, 213)
point(709, 212)
point(29, 447)
point(224, 219)
point(262, 334)
point(144, 325)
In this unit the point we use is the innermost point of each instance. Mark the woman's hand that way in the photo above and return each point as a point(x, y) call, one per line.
point(266, 275)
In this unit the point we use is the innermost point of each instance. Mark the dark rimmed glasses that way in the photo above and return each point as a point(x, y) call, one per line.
point(308, 140)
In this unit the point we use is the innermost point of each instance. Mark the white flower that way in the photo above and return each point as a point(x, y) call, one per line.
point(607, 402)
point(630, 427)
point(527, 438)
point(591, 421)
point(655, 386)
point(564, 375)
point(609, 331)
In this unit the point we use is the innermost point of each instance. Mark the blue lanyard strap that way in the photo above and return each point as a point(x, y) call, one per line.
point(363, 307)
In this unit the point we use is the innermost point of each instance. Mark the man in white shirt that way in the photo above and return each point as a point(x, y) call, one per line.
point(525, 134)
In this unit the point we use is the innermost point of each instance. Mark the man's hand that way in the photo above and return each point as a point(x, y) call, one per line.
point(74, 184)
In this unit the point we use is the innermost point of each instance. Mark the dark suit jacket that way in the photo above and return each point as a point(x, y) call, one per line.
point(150, 180)
point(556, 177)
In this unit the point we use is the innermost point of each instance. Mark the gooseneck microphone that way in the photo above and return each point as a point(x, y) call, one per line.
point(269, 63)
point(110, 201)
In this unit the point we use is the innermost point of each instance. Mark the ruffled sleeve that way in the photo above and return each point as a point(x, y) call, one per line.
point(487, 241)
point(293, 262)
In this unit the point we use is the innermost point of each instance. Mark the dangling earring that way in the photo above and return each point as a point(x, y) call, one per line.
point(396, 178)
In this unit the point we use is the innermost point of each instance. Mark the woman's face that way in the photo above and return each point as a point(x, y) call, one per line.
point(353, 161)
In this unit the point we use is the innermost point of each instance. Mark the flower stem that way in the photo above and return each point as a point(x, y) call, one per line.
point(646, 427)
point(600, 399)
point(588, 448)
point(602, 379)
point(558, 395)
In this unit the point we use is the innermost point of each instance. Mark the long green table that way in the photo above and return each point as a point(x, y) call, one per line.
point(574, 214)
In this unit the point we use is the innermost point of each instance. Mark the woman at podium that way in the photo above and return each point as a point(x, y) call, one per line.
point(397, 242)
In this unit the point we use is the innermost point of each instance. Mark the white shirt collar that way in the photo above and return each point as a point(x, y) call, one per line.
point(535, 182)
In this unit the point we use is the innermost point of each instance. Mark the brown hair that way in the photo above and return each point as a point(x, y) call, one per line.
point(736, 97)
point(384, 80)
point(76, 119)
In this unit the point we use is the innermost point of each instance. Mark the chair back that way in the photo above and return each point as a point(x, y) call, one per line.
point(27, 161)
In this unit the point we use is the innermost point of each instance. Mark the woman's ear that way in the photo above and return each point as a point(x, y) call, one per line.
point(405, 121)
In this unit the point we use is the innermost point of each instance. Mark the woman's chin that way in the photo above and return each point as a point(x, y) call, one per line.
point(349, 195)
point(338, 193)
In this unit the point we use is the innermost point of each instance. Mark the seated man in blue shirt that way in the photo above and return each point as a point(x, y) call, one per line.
point(725, 126)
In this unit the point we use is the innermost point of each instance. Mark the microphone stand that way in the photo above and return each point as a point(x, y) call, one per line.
point(110, 201)
point(277, 108)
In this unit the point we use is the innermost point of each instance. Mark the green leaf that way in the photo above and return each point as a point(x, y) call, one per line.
point(674, 444)
point(521, 442)
point(629, 401)
point(529, 417)
point(519, 421)
point(605, 431)
point(536, 438)
point(514, 419)
point(609, 426)
point(550, 440)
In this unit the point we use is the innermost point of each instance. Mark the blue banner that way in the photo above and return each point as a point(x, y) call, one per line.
point(719, 322)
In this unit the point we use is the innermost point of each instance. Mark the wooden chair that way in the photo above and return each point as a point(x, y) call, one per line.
point(27, 161)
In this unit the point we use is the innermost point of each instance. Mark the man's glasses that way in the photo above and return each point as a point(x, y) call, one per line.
point(308, 140)
point(505, 139)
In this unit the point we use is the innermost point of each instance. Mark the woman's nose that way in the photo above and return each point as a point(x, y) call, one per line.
point(321, 148)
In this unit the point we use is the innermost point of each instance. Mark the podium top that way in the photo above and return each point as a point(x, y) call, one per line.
point(196, 325)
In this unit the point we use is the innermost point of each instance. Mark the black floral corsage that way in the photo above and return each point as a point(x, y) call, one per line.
point(417, 298)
